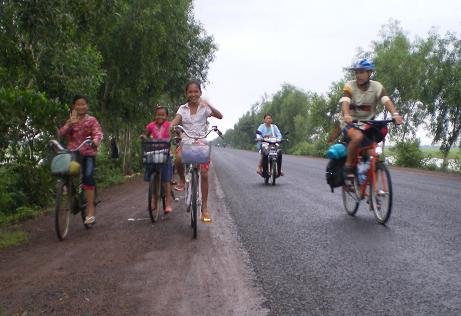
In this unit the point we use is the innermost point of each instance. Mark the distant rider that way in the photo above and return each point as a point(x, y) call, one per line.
point(268, 129)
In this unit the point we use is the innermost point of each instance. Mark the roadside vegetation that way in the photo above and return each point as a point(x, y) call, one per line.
point(127, 56)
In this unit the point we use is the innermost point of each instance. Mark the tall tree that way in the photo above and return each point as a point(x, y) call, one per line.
point(443, 91)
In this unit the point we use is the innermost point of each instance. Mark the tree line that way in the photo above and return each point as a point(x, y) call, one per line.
point(422, 76)
point(125, 55)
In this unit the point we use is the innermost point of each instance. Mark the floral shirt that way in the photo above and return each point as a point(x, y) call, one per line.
point(76, 134)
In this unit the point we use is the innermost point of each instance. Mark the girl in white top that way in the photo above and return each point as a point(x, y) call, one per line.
point(193, 117)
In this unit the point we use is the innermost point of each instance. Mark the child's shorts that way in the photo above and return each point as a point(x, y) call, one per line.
point(167, 171)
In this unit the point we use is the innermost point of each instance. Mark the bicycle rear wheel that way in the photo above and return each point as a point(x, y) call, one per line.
point(63, 206)
point(351, 199)
point(194, 193)
point(273, 170)
point(154, 190)
point(381, 194)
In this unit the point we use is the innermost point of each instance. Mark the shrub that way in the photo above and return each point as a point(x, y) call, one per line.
point(408, 154)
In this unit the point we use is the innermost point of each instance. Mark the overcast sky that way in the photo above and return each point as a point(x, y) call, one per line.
point(265, 43)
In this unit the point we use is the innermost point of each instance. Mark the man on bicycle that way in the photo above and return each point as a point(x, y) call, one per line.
point(359, 101)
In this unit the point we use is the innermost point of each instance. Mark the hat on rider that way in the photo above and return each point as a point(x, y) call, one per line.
point(363, 64)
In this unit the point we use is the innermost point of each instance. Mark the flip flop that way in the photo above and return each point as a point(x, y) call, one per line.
point(179, 188)
point(206, 217)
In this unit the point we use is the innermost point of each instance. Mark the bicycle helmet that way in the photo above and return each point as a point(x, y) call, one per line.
point(363, 64)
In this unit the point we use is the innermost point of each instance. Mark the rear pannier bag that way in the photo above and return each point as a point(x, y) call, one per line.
point(335, 173)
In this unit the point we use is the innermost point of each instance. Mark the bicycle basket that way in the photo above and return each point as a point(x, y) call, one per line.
point(195, 152)
point(155, 152)
point(63, 164)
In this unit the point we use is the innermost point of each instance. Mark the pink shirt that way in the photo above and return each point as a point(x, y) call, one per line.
point(76, 134)
point(162, 133)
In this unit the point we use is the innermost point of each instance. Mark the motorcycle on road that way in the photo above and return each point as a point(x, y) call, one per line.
point(272, 157)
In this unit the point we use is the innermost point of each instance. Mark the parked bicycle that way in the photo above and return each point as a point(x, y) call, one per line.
point(154, 156)
point(270, 149)
point(70, 197)
point(193, 153)
point(372, 180)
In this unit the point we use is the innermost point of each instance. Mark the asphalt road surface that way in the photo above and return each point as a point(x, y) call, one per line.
point(311, 258)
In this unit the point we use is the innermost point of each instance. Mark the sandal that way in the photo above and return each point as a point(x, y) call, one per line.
point(205, 217)
point(90, 220)
point(179, 187)
point(168, 210)
point(259, 171)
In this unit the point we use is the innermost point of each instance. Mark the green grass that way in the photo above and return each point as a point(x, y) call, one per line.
point(436, 153)
point(12, 238)
point(21, 214)
point(433, 152)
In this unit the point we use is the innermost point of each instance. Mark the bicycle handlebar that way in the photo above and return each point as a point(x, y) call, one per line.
point(374, 121)
point(54, 143)
point(267, 141)
point(213, 129)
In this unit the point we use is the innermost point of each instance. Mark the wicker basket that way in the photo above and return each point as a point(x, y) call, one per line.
point(155, 152)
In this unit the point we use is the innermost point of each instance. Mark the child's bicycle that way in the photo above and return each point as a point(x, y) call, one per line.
point(194, 153)
point(154, 155)
point(376, 179)
point(70, 198)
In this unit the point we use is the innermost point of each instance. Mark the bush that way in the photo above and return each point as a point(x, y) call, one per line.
point(24, 186)
point(408, 154)
point(108, 171)
point(317, 149)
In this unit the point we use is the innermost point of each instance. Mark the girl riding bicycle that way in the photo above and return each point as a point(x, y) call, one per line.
point(79, 126)
point(160, 130)
point(193, 117)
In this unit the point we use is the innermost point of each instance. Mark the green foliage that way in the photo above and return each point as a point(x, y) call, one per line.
point(125, 55)
point(11, 238)
point(400, 67)
point(317, 149)
point(408, 154)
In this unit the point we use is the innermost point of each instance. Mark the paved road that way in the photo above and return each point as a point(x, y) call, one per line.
point(311, 258)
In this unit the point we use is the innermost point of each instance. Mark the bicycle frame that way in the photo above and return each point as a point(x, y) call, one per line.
point(193, 196)
point(67, 185)
point(370, 151)
point(377, 179)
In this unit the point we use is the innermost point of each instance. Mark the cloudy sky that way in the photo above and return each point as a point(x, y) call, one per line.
point(265, 43)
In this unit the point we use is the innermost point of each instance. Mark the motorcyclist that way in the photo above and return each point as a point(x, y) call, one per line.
point(267, 129)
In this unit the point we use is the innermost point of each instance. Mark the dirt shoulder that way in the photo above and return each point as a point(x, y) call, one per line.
point(131, 267)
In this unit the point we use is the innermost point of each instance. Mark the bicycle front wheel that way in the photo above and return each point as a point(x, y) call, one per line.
point(63, 206)
point(381, 194)
point(194, 193)
point(351, 199)
point(154, 198)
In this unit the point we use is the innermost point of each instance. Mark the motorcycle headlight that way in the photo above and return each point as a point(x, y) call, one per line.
point(379, 150)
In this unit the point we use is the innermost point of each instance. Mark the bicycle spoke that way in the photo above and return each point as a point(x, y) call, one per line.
point(381, 195)
point(350, 198)
point(63, 206)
